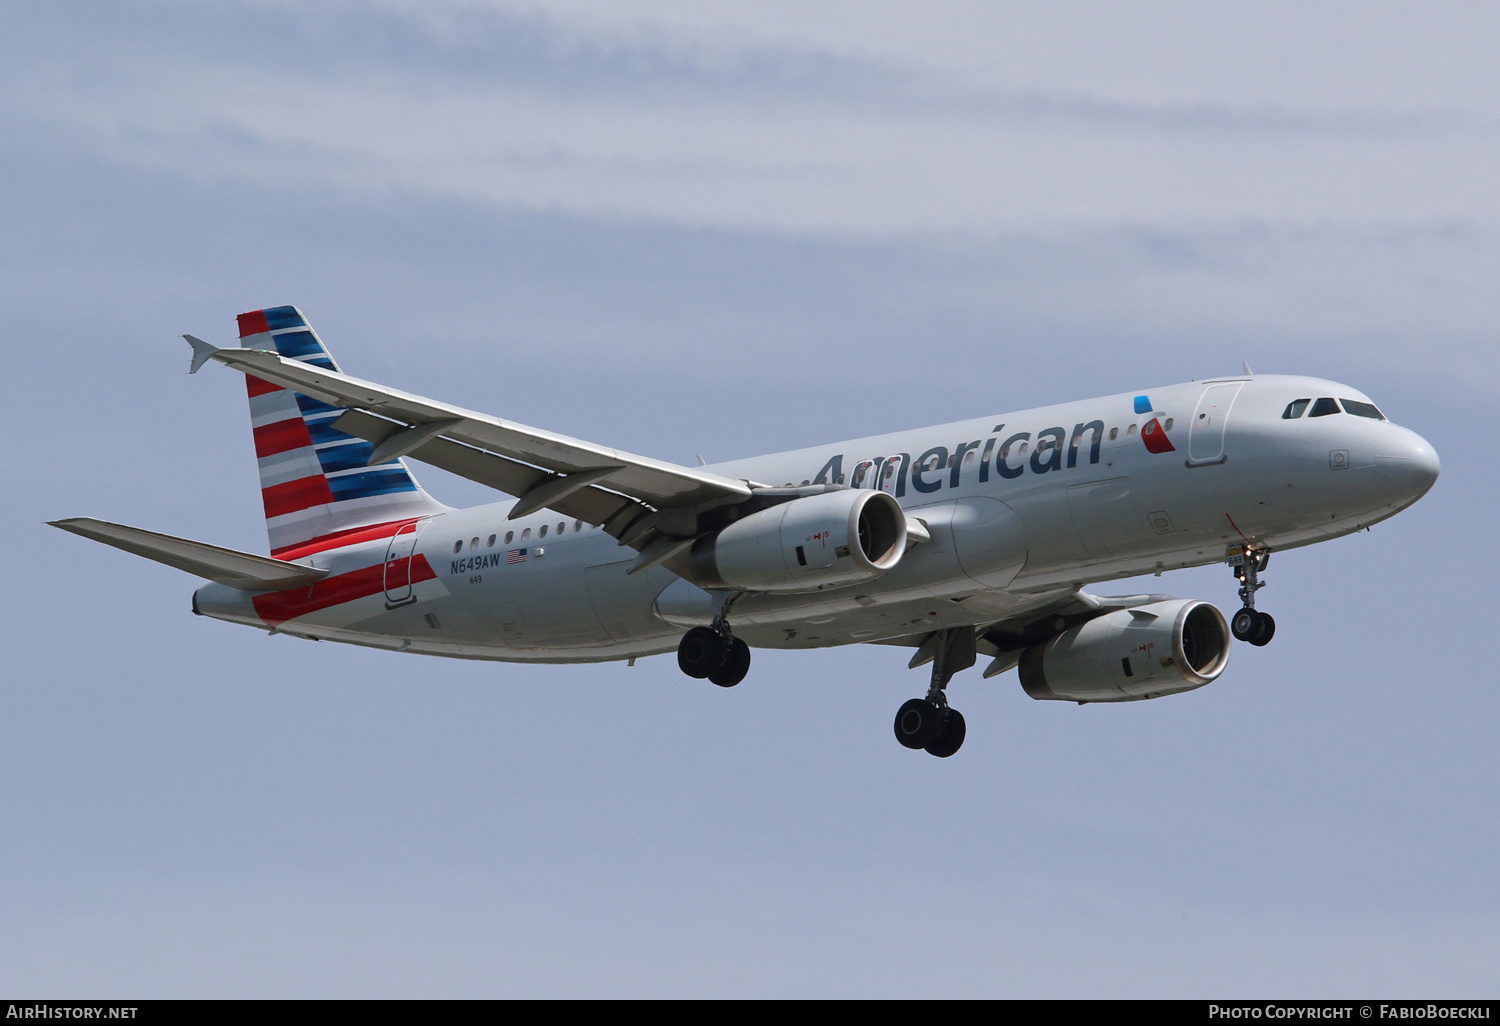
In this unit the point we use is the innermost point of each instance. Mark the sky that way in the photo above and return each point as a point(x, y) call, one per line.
point(731, 229)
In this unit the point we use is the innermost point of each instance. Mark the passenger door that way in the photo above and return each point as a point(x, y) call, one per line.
point(398, 565)
point(1206, 433)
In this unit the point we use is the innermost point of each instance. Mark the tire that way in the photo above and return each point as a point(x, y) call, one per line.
point(700, 652)
point(1245, 625)
point(952, 737)
point(1266, 630)
point(736, 665)
point(918, 723)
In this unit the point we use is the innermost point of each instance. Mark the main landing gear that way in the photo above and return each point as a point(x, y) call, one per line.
point(714, 652)
point(1249, 624)
point(930, 723)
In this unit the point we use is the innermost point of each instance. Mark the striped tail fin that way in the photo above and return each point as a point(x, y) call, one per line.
point(314, 479)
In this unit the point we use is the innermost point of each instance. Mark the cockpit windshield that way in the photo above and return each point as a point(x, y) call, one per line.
point(1360, 409)
point(1327, 406)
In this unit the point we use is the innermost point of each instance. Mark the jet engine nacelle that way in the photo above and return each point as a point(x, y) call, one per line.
point(1146, 652)
point(818, 541)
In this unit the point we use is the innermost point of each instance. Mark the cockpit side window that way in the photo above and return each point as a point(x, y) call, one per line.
point(1323, 407)
point(1295, 409)
point(1360, 409)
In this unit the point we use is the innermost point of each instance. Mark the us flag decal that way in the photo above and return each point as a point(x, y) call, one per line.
point(515, 556)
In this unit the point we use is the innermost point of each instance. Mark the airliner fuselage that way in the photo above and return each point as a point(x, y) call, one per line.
point(1022, 507)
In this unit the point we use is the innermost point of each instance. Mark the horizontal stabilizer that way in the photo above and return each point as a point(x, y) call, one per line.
point(243, 570)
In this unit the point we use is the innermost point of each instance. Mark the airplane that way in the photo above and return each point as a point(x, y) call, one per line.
point(965, 539)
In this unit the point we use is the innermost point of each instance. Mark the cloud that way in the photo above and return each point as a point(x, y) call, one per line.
point(520, 109)
point(473, 49)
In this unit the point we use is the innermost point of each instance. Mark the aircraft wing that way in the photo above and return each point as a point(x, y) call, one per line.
point(244, 570)
point(602, 485)
point(1005, 639)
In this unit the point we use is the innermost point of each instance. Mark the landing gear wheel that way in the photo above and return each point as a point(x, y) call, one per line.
point(1253, 626)
point(736, 665)
point(918, 723)
point(951, 738)
point(700, 652)
point(1266, 629)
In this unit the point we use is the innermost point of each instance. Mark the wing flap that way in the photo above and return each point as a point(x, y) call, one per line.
point(243, 570)
point(591, 504)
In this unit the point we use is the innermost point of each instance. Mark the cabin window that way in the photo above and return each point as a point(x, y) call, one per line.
point(562, 527)
point(541, 532)
point(968, 457)
point(1323, 407)
point(1360, 409)
point(458, 546)
point(1130, 431)
point(1294, 409)
point(473, 543)
point(526, 534)
point(491, 543)
point(577, 526)
point(1168, 424)
point(509, 537)
point(1114, 433)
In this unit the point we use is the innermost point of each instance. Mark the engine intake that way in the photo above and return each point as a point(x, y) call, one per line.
point(1146, 652)
point(807, 544)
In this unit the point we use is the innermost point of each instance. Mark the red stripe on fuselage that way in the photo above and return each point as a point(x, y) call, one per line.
point(253, 323)
point(296, 495)
point(341, 539)
point(255, 386)
point(281, 436)
point(281, 606)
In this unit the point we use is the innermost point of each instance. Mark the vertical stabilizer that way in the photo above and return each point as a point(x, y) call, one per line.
point(314, 480)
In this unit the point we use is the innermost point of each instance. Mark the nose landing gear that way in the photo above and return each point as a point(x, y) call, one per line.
point(930, 723)
point(1250, 624)
point(714, 653)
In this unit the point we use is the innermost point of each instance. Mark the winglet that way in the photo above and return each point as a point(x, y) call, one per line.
point(202, 352)
point(1248, 372)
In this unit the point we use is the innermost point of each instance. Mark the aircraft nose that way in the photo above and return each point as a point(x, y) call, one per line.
point(1407, 460)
